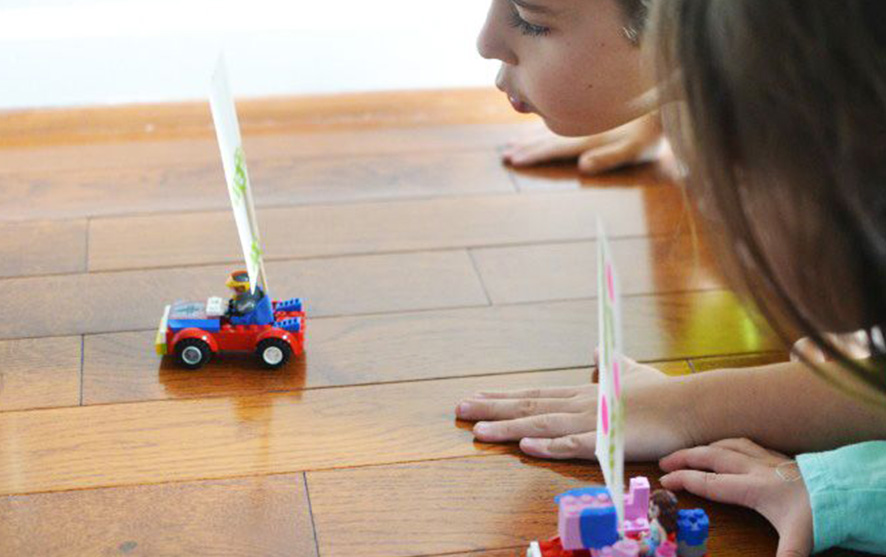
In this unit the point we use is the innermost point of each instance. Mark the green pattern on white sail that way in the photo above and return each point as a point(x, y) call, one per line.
point(238, 187)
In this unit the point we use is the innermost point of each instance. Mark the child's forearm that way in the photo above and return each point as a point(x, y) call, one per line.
point(785, 407)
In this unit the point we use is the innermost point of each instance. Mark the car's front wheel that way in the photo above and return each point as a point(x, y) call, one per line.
point(193, 353)
point(273, 352)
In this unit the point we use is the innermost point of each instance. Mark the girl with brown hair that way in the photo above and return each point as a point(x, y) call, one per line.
point(777, 108)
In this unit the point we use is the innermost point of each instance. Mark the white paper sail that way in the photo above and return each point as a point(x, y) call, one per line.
point(610, 412)
point(227, 130)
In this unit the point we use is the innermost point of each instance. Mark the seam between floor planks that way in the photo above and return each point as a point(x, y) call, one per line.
point(690, 362)
point(347, 255)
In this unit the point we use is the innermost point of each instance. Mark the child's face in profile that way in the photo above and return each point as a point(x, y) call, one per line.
point(569, 61)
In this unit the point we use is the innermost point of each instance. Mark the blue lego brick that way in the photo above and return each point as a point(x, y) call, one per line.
point(293, 324)
point(599, 527)
point(692, 526)
point(294, 304)
point(210, 325)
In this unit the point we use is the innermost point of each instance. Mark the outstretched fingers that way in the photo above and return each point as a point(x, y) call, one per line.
point(715, 459)
point(545, 426)
point(512, 408)
point(580, 445)
point(733, 489)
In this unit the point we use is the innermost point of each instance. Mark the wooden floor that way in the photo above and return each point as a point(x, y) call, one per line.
point(430, 271)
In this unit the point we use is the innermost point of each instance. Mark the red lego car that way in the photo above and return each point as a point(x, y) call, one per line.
point(195, 331)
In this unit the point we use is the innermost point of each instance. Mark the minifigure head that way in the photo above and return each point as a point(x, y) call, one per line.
point(575, 63)
point(663, 508)
point(238, 282)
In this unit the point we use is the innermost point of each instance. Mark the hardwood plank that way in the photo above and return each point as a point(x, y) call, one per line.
point(674, 263)
point(42, 247)
point(239, 517)
point(196, 238)
point(479, 503)
point(349, 111)
point(741, 360)
point(150, 442)
point(39, 373)
point(163, 153)
point(134, 300)
point(282, 181)
point(429, 345)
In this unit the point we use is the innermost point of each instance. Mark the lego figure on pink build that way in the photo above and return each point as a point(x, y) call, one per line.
point(588, 526)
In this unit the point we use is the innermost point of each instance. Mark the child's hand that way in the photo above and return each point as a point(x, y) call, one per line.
point(740, 472)
point(561, 423)
point(633, 143)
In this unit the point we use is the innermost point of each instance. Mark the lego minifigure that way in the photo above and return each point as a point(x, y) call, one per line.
point(247, 307)
point(663, 516)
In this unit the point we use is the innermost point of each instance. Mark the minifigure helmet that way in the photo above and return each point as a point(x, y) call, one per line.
point(238, 281)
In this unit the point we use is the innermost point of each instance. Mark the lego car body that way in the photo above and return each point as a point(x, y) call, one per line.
point(195, 331)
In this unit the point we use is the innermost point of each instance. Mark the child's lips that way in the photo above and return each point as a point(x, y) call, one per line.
point(519, 106)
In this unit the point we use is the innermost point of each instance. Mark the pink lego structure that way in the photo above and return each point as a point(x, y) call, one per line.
point(636, 523)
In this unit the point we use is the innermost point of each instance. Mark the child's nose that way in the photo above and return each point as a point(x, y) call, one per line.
point(491, 43)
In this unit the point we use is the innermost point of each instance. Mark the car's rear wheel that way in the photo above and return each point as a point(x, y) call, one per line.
point(193, 353)
point(273, 352)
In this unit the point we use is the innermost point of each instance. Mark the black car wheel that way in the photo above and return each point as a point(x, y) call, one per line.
point(193, 353)
point(273, 352)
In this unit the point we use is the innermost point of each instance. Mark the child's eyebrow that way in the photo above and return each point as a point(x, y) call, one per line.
point(533, 7)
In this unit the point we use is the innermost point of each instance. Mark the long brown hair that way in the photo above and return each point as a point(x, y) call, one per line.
point(778, 110)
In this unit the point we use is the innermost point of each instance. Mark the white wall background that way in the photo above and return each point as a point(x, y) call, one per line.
point(87, 52)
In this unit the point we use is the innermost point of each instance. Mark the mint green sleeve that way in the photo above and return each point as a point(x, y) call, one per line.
point(847, 489)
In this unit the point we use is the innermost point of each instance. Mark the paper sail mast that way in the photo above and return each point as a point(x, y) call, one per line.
point(610, 412)
point(230, 143)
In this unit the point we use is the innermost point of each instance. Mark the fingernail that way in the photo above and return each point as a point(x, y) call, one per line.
point(463, 409)
point(527, 443)
point(481, 429)
point(664, 478)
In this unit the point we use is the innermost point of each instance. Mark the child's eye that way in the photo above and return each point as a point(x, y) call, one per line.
point(527, 28)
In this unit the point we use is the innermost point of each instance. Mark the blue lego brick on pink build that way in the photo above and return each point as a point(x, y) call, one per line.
point(692, 526)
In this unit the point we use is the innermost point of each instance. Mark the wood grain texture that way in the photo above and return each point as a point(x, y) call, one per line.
point(428, 345)
point(162, 153)
point(479, 503)
point(42, 248)
point(134, 300)
point(199, 186)
point(39, 373)
point(245, 517)
point(151, 442)
point(672, 263)
point(323, 230)
point(306, 113)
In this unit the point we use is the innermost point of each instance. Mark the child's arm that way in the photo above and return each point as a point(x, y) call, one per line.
point(786, 407)
point(783, 406)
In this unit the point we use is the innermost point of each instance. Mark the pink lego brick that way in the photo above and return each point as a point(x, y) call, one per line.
point(637, 500)
point(636, 528)
point(571, 507)
point(623, 548)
